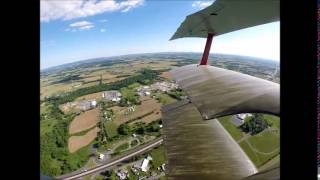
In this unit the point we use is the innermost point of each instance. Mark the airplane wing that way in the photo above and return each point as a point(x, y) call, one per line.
point(197, 146)
point(198, 149)
point(219, 92)
point(225, 16)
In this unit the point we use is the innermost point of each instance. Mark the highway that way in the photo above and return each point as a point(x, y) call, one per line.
point(112, 162)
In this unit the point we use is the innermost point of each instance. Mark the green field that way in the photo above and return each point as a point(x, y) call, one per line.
point(122, 147)
point(265, 142)
point(264, 146)
point(158, 156)
point(235, 132)
point(90, 164)
point(47, 126)
point(134, 143)
point(111, 129)
point(250, 153)
point(272, 163)
point(134, 85)
point(274, 120)
point(165, 99)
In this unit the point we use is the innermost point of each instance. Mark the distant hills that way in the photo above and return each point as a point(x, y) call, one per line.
point(159, 56)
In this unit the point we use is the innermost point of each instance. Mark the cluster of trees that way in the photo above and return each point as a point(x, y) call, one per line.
point(255, 124)
point(52, 111)
point(129, 97)
point(124, 129)
point(55, 158)
point(176, 94)
point(139, 128)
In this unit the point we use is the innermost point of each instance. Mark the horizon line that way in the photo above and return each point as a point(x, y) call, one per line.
point(88, 59)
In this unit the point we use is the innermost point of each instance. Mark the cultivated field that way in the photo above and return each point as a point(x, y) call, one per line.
point(147, 107)
point(150, 118)
point(84, 121)
point(166, 75)
point(87, 77)
point(77, 142)
point(95, 96)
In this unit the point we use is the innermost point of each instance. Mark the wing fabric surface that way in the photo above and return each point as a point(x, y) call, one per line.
point(225, 16)
point(198, 149)
point(218, 92)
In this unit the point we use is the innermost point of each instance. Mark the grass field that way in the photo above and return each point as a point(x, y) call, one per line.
point(111, 129)
point(158, 156)
point(165, 99)
point(273, 119)
point(272, 163)
point(122, 147)
point(84, 121)
point(235, 132)
point(250, 153)
point(47, 126)
point(265, 142)
point(91, 164)
point(77, 142)
point(260, 148)
point(264, 147)
point(134, 143)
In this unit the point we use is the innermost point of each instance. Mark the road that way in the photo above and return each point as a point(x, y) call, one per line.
point(135, 152)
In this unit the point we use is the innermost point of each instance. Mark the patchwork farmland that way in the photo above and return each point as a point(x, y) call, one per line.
point(84, 121)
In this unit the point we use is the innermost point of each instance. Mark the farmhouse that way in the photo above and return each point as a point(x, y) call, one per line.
point(86, 105)
point(101, 156)
point(144, 166)
point(144, 91)
point(123, 174)
point(164, 86)
point(114, 96)
point(243, 115)
point(238, 119)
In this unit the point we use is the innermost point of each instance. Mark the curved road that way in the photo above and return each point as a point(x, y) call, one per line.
point(135, 152)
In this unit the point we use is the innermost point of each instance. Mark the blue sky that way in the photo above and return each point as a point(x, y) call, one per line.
point(78, 30)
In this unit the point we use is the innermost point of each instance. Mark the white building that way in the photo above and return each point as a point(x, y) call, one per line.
point(101, 156)
point(163, 168)
point(86, 105)
point(113, 95)
point(239, 119)
point(144, 91)
point(243, 115)
point(144, 166)
point(93, 103)
point(164, 86)
point(123, 174)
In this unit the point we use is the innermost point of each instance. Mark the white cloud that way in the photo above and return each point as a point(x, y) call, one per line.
point(102, 20)
point(66, 10)
point(201, 4)
point(102, 30)
point(81, 25)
